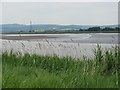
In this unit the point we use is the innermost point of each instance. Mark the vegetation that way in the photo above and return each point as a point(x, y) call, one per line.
point(63, 32)
point(0, 71)
point(101, 29)
point(59, 31)
point(33, 71)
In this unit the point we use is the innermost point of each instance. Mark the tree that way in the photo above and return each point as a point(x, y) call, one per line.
point(94, 29)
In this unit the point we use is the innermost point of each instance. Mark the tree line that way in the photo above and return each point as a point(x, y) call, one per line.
point(101, 29)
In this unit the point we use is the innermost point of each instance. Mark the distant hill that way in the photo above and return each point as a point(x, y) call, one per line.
point(11, 28)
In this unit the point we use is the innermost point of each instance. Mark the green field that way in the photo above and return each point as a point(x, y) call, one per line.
point(34, 71)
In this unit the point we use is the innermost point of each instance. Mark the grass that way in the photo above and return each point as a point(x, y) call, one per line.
point(34, 71)
point(0, 71)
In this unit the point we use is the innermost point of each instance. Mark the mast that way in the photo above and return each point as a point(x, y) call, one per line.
point(30, 26)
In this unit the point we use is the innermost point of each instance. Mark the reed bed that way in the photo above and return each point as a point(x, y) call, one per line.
point(61, 49)
point(38, 71)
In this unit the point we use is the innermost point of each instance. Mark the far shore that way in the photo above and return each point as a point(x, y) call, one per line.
point(26, 37)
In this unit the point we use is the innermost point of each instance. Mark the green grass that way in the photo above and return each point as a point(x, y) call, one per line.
point(33, 71)
point(0, 71)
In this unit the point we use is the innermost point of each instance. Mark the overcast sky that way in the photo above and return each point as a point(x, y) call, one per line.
point(97, 13)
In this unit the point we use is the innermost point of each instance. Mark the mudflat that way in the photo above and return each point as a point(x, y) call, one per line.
point(103, 38)
point(26, 37)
